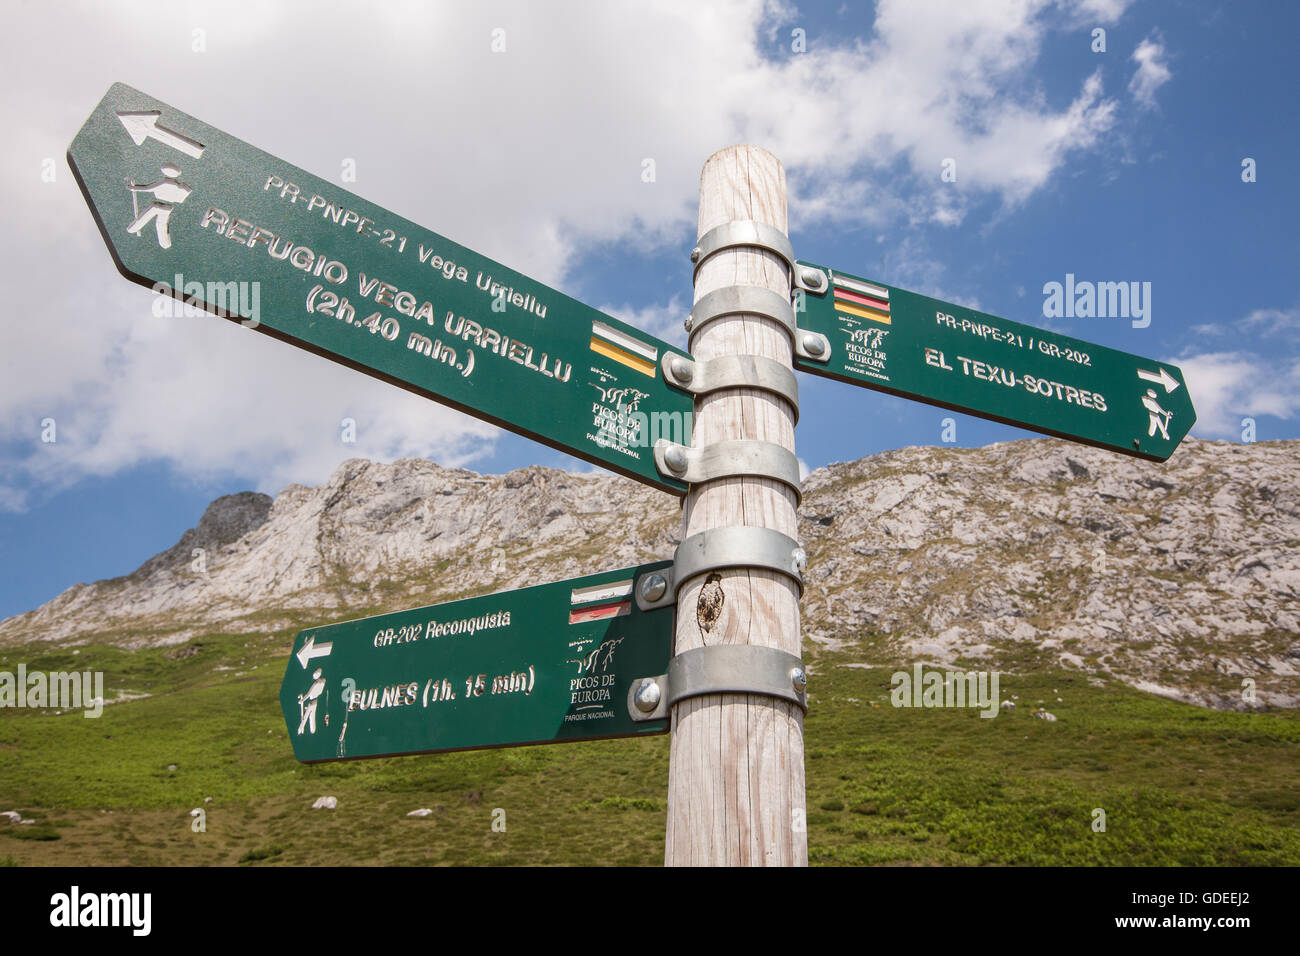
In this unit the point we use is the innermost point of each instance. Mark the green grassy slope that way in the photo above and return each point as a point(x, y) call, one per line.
point(1179, 785)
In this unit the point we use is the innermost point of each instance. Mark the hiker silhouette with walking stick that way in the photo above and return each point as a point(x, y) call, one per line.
point(307, 702)
point(1159, 417)
point(168, 192)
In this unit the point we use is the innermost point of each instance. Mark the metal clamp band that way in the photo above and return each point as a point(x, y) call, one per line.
point(732, 371)
point(746, 232)
point(738, 547)
point(735, 299)
point(720, 669)
point(735, 547)
point(728, 459)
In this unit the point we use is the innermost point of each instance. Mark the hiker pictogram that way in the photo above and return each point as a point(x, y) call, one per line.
point(1159, 417)
point(307, 702)
point(168, 192)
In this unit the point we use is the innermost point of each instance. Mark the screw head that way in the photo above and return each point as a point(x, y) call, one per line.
point(813, 344)
point(799, 560)
point(798, 678)
point(675, 458)
point(682, 369)
point(696, 253)
point(653, 587)
point(689, 323)
point(647, 695)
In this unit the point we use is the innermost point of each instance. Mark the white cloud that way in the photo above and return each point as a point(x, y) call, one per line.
point(663, 321)
point(531, 156)
point(941, 80)
point(1097, 11)
point(1152, 73)
point(1272, 321)
point(1260, 322)
point(1227, 386)
point(208, 397)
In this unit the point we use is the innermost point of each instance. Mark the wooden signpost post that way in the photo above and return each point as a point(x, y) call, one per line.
point(736, 771)
point(708, 643)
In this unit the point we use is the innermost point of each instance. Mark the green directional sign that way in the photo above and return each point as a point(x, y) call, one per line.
point(197, 214)
point(891, 340)
point(537, 665)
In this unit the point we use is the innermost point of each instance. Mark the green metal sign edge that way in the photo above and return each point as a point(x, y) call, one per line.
point(824, 369)
point(647, 473)
point(655, 625)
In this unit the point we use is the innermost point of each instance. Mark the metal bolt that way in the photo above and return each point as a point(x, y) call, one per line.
point(647, 695)
point(675, 458)
point(653, 587)
point(689, 323)
point(813, 277)
point(696, 253)
point(813, 344)
point(798, 678)
point(799, 560)
point(682, 369)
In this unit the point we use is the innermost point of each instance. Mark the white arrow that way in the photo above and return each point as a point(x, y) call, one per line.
point(1162, 377)
point(142, 126)
point(312, 649)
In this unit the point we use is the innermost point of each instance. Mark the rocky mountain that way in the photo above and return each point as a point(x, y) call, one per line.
point(1180, 578)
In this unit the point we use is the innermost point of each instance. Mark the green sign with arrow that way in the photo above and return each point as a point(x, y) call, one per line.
point(195, 213)
point(891, 340)
point(537, 665)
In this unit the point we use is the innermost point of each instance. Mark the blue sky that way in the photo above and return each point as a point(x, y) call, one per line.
point(1123, 165)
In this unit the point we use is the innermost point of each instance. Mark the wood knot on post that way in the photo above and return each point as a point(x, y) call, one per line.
point(709, 606)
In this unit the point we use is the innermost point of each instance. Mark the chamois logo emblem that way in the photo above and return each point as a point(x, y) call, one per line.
point(871, 338)
point(624, 397)
point(598, 659)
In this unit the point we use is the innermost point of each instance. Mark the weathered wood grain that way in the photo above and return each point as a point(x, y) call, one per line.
point(736, 776)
